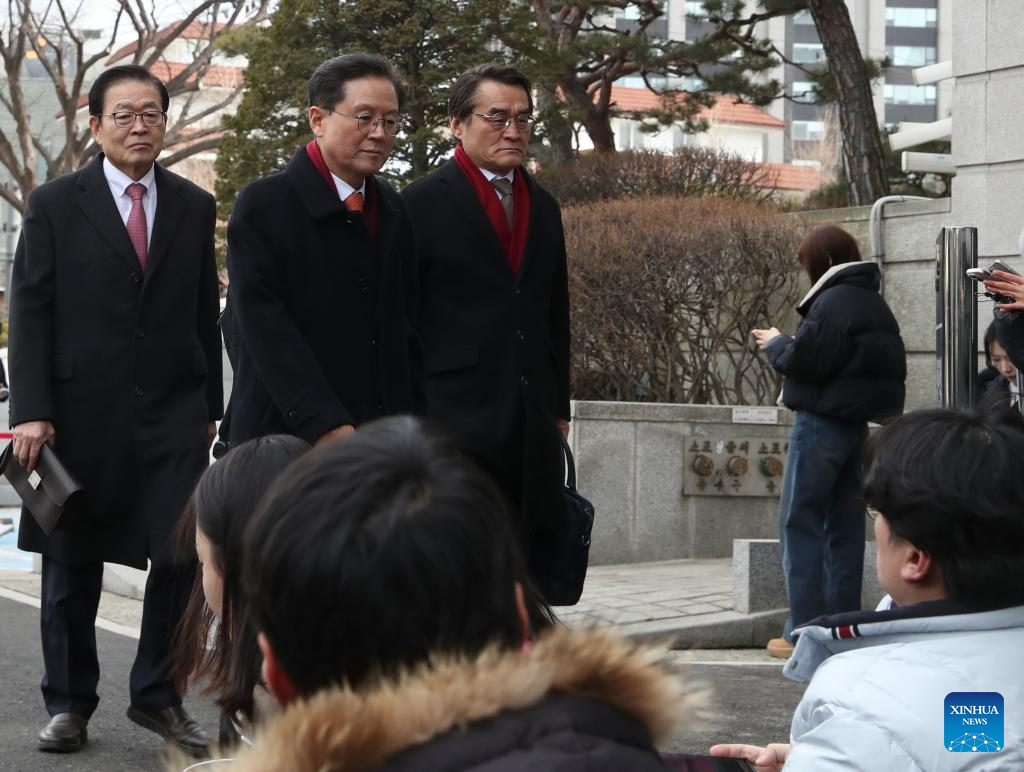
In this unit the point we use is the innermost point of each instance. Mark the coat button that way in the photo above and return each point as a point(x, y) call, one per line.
point(524, 381)
point(135, 278)
point(516, 291)
point(139, 391)
point(140, 334)
point(373, 341)
point(363, 285)
point(520, 336)
point(291, 415)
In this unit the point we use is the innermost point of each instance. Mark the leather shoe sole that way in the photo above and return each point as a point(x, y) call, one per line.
point(62, 735)
point(193, 745)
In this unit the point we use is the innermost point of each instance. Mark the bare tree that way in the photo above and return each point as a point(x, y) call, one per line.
point(51, 37)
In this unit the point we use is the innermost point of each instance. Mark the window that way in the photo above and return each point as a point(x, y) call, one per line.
point(693, 83)
point(803, 91)
point(803, 17)
point(637, 81)
point(695, 8)
point(629, 12)
point(808, 52)
point(911, 17)
point(910, 56)
point(807, 130)
point(897, 94)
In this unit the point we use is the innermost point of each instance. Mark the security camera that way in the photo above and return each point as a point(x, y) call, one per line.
point(933, 73)
point(925, 132)
point(936, 163)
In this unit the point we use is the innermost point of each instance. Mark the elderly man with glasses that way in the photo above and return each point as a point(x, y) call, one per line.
point(320, 258)
point(115, 362)
point(493, 317)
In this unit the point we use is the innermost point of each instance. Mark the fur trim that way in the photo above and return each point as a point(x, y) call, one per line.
point(346, 731)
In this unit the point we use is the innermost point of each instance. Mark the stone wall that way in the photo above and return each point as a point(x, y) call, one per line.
point(630, 460)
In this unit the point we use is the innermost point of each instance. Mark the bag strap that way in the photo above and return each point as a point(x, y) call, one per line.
point(570, 465)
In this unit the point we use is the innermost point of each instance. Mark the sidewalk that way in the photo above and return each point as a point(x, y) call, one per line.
point(686, 601)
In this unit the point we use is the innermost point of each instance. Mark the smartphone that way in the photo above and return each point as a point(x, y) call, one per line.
point(979, 274)
point(697, 763)
point(999, 265)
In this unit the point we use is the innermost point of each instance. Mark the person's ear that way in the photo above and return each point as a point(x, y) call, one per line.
point(917, 566)
point(524, 618)
point(456, 126)
point(94, 126)
point(273, 676)
point(316, 117)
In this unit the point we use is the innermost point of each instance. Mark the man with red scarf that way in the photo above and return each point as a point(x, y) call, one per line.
point(320, 257)
point(494, 305)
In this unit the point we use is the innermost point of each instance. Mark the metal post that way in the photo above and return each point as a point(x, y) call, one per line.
point(956, 316)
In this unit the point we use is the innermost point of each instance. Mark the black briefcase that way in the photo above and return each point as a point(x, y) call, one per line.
point(45, 490)
point(562, 554)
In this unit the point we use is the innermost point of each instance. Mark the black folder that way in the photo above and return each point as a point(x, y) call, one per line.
point(45, 490)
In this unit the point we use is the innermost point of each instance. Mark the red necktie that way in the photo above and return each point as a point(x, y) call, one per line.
point(354, 202)
point(137, 221)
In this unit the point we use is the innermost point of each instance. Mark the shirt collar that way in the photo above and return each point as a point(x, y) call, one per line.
point(345, 190)
point(119, 181)
point(492, 176)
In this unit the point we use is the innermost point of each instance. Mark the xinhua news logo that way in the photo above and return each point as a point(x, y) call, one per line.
point(974, 722)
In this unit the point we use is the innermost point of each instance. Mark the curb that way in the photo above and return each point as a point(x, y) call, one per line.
point(722, 630)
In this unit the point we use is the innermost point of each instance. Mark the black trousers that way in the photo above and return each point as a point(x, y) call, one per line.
point(70, 598)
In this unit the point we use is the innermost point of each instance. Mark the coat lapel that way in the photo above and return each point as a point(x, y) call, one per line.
point(463, 197)
point(98, 205)
point(170, 208)
point(531, 227)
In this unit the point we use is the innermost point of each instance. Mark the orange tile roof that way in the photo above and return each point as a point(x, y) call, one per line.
point(727, 109)
point(194, 31)
point(791, 177)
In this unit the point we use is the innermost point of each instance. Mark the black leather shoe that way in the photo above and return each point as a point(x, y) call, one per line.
point(65, 733)
point(175, 725)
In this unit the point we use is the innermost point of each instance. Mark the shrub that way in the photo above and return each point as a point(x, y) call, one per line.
point(665, 291)
point(690, 172)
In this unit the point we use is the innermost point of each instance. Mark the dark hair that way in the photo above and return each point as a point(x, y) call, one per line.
point(107, 78)
point(949, 482)
point(226, 655)
point(463, 91)
point(825, 246)
point(374, 552)
point(327, 83)
point(990, 338)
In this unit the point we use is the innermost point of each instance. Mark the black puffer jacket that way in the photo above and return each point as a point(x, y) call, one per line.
point(847, 359)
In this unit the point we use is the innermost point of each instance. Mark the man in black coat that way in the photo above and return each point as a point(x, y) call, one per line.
point(320, 260)
point(116, 362)
point(493, 318)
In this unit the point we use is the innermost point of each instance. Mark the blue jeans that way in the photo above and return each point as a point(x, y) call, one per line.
point(821, 518)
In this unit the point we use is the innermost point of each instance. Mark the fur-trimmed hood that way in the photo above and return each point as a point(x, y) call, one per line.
point(345, 731)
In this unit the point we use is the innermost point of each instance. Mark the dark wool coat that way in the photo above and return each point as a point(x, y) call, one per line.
point(324, 314)
point(495, 344)
point(125, 363)
point(588, 701)
point(847, 359)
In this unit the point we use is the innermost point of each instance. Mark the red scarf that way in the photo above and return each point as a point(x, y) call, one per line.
point(512, 239)
point(369, 200)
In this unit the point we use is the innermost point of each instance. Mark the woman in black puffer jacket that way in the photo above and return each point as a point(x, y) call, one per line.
point(845, 366)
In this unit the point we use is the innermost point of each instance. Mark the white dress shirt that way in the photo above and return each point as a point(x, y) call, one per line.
point(345, 190)
point(119, 182)
point(492, 176)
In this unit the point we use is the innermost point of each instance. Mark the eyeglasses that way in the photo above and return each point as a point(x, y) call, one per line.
point(500, 122)
point(368, 124)
point(125, 118)
point(873, 513)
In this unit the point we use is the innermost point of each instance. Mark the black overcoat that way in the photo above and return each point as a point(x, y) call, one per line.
point(495, 344)
point(125, 363)
point(324, 315)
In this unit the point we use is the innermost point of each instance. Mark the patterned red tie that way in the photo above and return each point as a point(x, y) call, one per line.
point(354, 202)
point(137, 221)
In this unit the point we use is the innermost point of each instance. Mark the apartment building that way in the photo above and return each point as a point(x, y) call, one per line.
point(911, 33)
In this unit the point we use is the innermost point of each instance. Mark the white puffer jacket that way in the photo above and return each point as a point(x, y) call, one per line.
point(877, 698)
